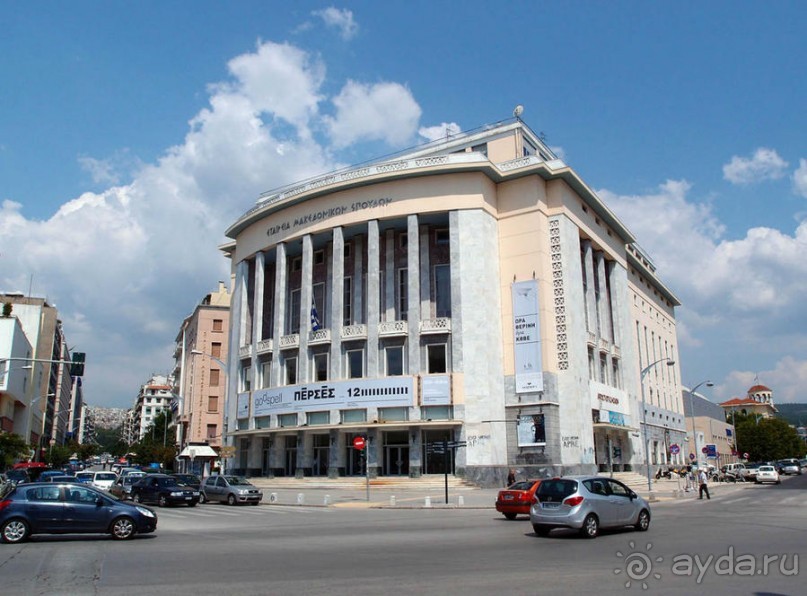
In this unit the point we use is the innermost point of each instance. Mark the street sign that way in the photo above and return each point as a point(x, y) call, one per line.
point(675, 449)
point(359, 443)
point(745, 456)
point(691, 456)
point(704, 450)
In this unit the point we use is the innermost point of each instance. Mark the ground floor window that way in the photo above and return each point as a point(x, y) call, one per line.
point(284, 420)
point(353, 416)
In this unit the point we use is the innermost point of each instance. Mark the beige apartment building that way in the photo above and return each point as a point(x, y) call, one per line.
point(200, 376)
point(474, 290)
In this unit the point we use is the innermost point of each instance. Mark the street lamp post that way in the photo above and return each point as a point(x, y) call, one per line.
point(692, 416)
point(642, 374)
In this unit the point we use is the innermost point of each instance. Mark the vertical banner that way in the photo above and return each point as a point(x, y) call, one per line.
point(527, 337)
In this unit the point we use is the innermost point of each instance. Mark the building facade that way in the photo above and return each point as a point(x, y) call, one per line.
point(711, 439)
point(200, 376)
point(153, 399)
point(475, 291)
point(758, 402)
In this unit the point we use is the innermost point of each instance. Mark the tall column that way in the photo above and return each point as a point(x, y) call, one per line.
point(425, 275)
point(591, 302)
point(413, 293)
point(373, 296)
point(257, 319)
point(306, 299)
point(236, 333)
point(613, 273)
point(456, 291)
point(358, 281)
point(602, 307)
point(337, 306)
point(389, 277)
point(280, 313)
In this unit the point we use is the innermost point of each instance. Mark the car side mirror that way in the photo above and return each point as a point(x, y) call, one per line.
point(632, 495)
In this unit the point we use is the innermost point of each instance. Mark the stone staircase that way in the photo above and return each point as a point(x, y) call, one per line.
point(358, 483)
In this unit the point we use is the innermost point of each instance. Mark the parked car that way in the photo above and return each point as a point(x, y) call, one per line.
point(58, 478)
point(45, 474)
point(751, 469)
point(104, 480)
point(587, 504)
point(191, 480)
point(123, 485)
point(734, 472)
point(516, 499)
point(163, 490)
point(85, 477)
point(18, 476)
point(788, 466)
point(230, 490)
point(69, 508)
point(767, 474)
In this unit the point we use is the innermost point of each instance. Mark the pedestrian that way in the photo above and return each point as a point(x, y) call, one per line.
point(511, 477)
point(703, 480)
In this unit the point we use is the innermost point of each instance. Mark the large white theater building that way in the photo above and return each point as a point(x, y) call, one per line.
point(474, 289)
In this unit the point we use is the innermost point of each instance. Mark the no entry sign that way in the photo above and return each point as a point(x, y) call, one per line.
point(359, 443)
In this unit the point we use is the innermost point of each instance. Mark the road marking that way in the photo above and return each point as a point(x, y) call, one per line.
point(737, 500)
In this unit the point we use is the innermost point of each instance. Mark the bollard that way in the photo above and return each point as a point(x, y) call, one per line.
point(273, 498)
point(327, 500)
point(428, 502)
point(392, 501)
point(300, 498)
point(460, 501)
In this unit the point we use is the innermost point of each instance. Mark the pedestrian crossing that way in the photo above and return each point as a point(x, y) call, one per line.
point(213, 511)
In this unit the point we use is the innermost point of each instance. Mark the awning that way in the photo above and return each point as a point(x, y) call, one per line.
point(609, 426)
point(194, 451)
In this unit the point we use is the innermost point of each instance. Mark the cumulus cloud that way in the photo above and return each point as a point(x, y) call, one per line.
point(111, 170)
point(800, 178)
point(126, 264)
point(786, 379)
point(340, 19)
point(765, 164)
point(378, 112)
point(441, 131)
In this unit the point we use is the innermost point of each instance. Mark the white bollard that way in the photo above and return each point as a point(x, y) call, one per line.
point(428, 502)
point(327, 500)
point(392, 501)
point(300, 498)
point(460, 501)
point(273, 498)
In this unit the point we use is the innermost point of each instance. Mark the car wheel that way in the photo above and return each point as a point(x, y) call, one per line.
point(14, 531)
point(591, 526)
point(162, 502)
point(231, 499)
point(122, 528)
point(202, 498)
point(136, 498)
point(540, 530)
point(643, 522)
point(510, 515)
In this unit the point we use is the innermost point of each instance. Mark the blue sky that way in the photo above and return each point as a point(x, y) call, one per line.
point(121, 121)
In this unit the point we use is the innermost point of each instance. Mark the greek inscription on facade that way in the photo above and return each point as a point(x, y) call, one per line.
point(571, 442)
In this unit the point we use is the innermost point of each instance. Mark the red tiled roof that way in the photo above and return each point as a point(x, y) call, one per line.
point(739, 401)
point(758, 388)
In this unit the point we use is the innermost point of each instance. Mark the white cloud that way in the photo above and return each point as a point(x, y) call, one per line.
point(102, 171)
point(800, 179)
point(341, 19)
point(786, 379)
point(441, 131)
point(379, 112)
point(765, 164)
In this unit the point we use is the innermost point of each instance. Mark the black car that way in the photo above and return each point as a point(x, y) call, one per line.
point(163, 490)
point(190, 480)
point(69, 508)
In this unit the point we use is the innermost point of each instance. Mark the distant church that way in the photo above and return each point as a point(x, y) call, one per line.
point(759, 401)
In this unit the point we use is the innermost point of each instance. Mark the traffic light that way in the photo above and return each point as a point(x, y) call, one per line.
point(77, 365)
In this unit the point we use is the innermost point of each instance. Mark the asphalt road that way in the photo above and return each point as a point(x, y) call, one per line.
point(707, 547)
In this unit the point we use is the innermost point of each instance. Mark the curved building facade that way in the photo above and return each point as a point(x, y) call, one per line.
point(473, 291)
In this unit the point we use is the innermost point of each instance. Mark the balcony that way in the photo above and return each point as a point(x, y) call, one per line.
point(245, 351)
point(320, 336)
point(265, 346)
point(354, 332)
point(288, 342)
point(435, 326)
point(592, 339)
point(393, 328)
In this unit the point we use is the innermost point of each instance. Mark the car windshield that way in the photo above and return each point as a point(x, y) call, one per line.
point(105, 476)
point(523, 485)
point(766, 468)
point(236, 481)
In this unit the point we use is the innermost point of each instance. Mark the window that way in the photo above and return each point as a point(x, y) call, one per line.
point(320, 366)
point(436, 356)
point(214, 377)
point(393, 414)
point(355, 364)
point(347, 301)
point(297, 264)
point(403, 240)
point(394, 358)
point(483, 149)
point(603, 368)
point(287, 420)
point(246, 378)
point(442, 290)
point(215, 349)
point(403, 293)
point(318, 296)
point(218, 325)
point(313, 418)
point(615, 373)
point(213, 403)
point(348, 250)
point(212, 431)
point(441, 236)
point(319, 257)
point(294, 312)
point(266, 373)
point(353, 416)
point(591, 371)
point(436, 413)
point(290, 366)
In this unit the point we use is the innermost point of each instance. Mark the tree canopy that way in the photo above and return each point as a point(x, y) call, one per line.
point(767, 439)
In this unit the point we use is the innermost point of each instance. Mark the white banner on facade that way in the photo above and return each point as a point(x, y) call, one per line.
point(531, 430)
point(527, 337)
point(435, 390)
point(243, 405)
point(375, 393)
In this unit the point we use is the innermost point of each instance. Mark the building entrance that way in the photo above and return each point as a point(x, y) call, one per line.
point(321, 455)
point(290, 467)
point(355, 458)
point(396, 454)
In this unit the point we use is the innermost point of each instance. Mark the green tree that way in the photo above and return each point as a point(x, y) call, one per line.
point(58, 455)
point(158, 443)
point(12, 448)
point(766, 439)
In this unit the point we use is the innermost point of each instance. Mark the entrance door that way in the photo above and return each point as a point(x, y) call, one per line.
point(291, 456)
point(321, 455)
point(355, 458)
point(396, 460)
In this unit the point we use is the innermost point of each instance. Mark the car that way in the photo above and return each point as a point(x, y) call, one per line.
point(191, 480)
point(18, 476)
point(84, 477)
point(123, 485)
point(45, 474)
point(516, 498)
point(230, 490)
point(767, 474)
point(734, 471)
point(751, 470)
point(58, 478)
point(587, 504)
point(104, 480)
point(69, 508)
point(163, 490)
point(788, 466)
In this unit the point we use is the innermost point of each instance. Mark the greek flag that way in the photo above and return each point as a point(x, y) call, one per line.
point(315, 326)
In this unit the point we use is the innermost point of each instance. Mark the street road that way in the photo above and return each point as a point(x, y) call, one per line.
point(216, 549)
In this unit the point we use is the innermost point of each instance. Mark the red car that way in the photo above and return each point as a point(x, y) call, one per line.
point(516, 498)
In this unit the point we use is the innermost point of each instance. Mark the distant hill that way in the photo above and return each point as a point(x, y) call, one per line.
point(795, 414)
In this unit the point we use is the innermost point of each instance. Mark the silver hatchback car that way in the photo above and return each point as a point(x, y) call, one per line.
point(229, 489)
point(587, 503)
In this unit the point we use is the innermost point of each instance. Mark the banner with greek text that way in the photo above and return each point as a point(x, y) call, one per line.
point(527, 337)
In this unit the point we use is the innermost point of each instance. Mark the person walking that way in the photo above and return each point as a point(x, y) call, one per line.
point(511, 477)
point(703, 480)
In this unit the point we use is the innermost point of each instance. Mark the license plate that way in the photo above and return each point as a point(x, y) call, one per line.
point(508, 497)
point(188, 498)
point(550, 505)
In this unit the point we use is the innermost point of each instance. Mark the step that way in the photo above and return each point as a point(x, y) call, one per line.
point(359, 483)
